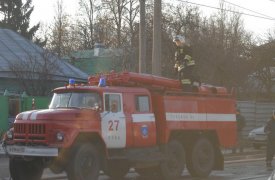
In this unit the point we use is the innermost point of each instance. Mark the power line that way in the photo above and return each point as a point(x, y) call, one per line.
point(248, 9)
point(228, 10)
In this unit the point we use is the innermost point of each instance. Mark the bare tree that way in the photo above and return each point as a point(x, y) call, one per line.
point(105, 30)
point(132, 10)
point(35, 73)
point(117, 10)
point(264, 64)
point(60, 41)
point(86, 22)
point(222, 50)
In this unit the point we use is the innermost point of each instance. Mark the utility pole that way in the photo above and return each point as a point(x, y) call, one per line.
point(156, 57)
point(142, 38)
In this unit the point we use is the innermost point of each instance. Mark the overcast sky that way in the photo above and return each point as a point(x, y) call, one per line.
point(45, 9)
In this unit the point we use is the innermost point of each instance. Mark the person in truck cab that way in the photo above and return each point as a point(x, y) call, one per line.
point(114, 106)
point(184, 63)
point(92, 102)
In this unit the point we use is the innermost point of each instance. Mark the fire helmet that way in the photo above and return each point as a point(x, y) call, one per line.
point(179, 38)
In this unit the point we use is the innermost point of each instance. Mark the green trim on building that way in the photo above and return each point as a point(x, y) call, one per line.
point(10, 106)
point(4, 111)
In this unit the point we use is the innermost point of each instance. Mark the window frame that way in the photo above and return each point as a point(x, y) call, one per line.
point(119, 104)
point(138, 103)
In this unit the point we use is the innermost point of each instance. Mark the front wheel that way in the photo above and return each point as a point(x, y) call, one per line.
point(85, 163)
point(173, 166)
point(21, 169)
point(201, 158)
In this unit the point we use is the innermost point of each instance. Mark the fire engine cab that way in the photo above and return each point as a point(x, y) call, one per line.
point(123, 120)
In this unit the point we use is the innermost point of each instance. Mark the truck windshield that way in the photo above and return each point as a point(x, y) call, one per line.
point(75, 100)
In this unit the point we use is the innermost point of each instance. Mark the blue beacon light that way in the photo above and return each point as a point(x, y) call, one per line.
point(102, 82)
point(71, 82)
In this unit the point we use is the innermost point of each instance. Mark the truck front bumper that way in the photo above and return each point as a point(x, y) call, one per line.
point(40, 151)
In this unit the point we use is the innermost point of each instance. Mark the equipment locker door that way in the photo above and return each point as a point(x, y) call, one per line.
point(113, 122)
point(143, 122)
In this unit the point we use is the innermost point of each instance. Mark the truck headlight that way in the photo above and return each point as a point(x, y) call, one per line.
point(9, 134)
point(60, 136)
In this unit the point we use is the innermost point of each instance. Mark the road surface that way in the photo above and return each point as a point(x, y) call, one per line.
point(243, 167)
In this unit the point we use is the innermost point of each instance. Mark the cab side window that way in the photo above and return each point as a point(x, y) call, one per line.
point(113, 103)
point(142, 103)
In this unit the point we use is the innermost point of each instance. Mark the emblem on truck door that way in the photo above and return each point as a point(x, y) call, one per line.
point(144, 131)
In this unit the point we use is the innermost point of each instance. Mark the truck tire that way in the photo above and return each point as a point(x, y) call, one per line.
point(85, 163)
point(201, 158)
point(21, 169)
point(117, 169)
point(174, 165)
point(56, 168)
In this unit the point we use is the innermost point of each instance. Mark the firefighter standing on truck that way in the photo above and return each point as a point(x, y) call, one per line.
point(184, 64)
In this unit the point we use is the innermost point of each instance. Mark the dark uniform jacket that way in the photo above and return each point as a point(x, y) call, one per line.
point(240, 122)
point(269, 129)
point(183, 55)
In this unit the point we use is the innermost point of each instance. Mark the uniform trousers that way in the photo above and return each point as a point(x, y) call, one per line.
point(270, 150)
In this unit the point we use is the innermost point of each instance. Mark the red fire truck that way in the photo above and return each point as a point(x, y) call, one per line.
point(123, 120)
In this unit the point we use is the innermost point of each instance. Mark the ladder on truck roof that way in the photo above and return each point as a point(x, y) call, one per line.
point(152, 82)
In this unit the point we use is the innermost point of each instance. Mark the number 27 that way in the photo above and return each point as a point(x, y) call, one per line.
point(113, 125)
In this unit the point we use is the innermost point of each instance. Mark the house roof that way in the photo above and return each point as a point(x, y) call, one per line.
point(16, 49)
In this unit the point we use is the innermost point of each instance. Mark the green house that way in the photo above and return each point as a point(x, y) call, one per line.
point(100, 60)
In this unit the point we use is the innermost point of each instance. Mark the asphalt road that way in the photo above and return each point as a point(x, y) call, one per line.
point(246, 166)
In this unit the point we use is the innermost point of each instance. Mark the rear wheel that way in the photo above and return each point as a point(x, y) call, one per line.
point(201, 158)
point(85, 163)
point(173, 166)
point(21, 169)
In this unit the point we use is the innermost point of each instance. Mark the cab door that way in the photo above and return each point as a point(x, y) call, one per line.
point(113, 121)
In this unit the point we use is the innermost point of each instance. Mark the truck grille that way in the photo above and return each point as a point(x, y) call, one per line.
point(30, 133)
point(30, 128)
